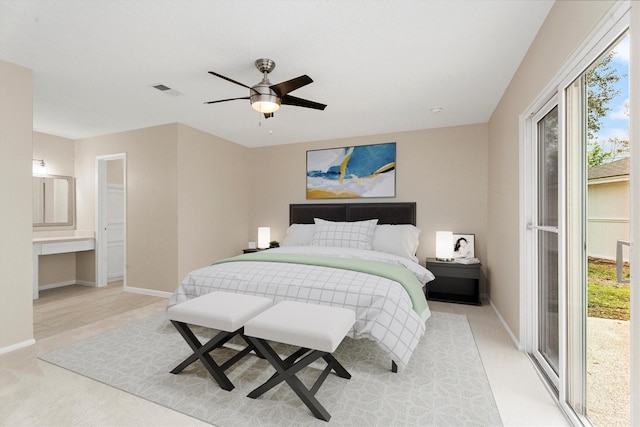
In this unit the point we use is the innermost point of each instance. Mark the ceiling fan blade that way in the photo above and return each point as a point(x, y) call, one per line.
point(225, 100)
point(290, 85)
point(299, 102)
point(228, 79)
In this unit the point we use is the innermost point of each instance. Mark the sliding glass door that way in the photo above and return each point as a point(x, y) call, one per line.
point(576, 210)
point(544, 225)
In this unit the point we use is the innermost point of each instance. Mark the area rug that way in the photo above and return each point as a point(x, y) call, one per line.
point(443, 385)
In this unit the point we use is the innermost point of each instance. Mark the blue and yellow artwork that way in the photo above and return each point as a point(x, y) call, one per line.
point(352, 172)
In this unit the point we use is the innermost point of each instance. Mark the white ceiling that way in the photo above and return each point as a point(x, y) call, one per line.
point(380, 66)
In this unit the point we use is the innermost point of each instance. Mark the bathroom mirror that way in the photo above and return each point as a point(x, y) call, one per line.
point(53, 201)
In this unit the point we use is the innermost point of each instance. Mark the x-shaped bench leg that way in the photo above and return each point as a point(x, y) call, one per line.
point(286, 371)
point(201, 352)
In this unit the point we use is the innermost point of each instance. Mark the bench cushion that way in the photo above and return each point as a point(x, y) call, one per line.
point(224, 311)
point(317, 327)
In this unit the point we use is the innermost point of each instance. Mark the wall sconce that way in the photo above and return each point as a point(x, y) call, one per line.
point(264, 236)
point(39, 168)
point(444, 245)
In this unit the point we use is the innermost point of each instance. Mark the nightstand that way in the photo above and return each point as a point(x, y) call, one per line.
point(454, 282)
point(250, 251)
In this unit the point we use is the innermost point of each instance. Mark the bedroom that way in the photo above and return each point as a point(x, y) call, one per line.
point(175, 159)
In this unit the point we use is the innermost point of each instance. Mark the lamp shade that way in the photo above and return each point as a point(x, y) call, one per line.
point(264, 236)
point(444, 245)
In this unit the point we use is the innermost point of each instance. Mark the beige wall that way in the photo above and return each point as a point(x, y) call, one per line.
point(16, 271)
point(443, 170)
point(187, 200)
point(57, 152)
point(607, 218)
point(566, 27)
point(214, 183)
point(115, 172)
point(151, 200)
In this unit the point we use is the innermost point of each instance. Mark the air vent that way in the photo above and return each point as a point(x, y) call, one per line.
point(166, 89)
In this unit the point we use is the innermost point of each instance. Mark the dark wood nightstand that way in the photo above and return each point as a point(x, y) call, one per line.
point(454, 282)
point(250, 251)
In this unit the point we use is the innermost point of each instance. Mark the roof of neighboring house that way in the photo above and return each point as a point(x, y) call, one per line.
point(608, 170)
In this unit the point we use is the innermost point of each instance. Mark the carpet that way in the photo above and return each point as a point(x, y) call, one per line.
point(443, 385)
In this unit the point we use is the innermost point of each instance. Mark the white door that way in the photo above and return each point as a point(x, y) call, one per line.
point(115, 232)
point(111, 227)
point(556, 329)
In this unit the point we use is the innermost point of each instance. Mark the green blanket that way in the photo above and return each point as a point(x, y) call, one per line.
point(393, 272)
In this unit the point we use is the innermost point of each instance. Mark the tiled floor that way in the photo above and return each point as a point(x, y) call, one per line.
point(35, 393)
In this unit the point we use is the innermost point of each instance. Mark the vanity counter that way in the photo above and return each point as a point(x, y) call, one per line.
point(57, 245)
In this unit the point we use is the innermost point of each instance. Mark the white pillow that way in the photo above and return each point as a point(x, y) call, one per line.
point(356, 234)
point(299, 235)
point(401, 239)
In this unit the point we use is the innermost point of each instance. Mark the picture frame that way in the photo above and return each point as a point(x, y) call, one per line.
point(464, 245)
point(359, 171)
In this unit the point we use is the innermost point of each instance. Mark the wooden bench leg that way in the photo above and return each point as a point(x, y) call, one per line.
point(286, 371)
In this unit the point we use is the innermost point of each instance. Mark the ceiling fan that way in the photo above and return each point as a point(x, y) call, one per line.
point(267, 98)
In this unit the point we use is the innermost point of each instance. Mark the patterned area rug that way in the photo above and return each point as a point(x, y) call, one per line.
point(443, 385)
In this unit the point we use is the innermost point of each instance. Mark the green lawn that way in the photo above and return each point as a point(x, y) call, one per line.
point(607, 298)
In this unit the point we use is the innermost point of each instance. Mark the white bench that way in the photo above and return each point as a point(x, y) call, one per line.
point(318, 329)
point(224, 311)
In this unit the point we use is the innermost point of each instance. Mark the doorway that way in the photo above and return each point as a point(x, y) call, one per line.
point(584, 354)
point(111, 208)
point(607, 231)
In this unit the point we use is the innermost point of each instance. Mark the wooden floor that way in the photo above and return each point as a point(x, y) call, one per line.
point(68, 307)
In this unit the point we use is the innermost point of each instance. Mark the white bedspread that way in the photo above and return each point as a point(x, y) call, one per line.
point(383, 309)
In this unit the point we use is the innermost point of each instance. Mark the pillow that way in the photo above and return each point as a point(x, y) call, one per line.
point(401, 239)
point(356, 234)
point(299, 235)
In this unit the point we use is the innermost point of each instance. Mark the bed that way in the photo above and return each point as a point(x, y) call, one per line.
point(355, 255)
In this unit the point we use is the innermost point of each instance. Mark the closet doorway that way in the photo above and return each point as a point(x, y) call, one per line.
point(111, 230)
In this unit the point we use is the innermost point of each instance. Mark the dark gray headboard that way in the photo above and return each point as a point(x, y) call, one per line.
point(387, 213)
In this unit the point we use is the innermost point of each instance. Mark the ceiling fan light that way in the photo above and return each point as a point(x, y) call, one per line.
point(265, 106)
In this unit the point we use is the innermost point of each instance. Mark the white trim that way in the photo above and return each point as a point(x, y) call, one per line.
point(634, 212)
point(101, 217)
point(67, 283)
point(86, 283)
point(144, 291)
point(506, 327)
point(609, 180)
point(606, 32)
point(17, 346)
point(610, 220)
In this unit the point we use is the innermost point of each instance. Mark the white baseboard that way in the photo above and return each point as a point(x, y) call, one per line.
point(147, 292)
point(17, 346)
point(86, 283)
point(66, 283)
point(506, 327)
point(56, 285)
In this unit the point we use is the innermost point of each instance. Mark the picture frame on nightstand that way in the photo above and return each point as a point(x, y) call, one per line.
point(464, 245)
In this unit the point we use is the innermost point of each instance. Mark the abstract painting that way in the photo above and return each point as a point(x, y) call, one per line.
point(352, 172)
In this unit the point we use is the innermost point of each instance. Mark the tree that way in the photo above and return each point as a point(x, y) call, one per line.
point(596, 155)
point(619, 147)
point(601, 81)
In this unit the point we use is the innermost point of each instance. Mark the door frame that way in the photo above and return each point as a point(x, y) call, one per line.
point(101, 250)
point(634, 211)
point(623, 16)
